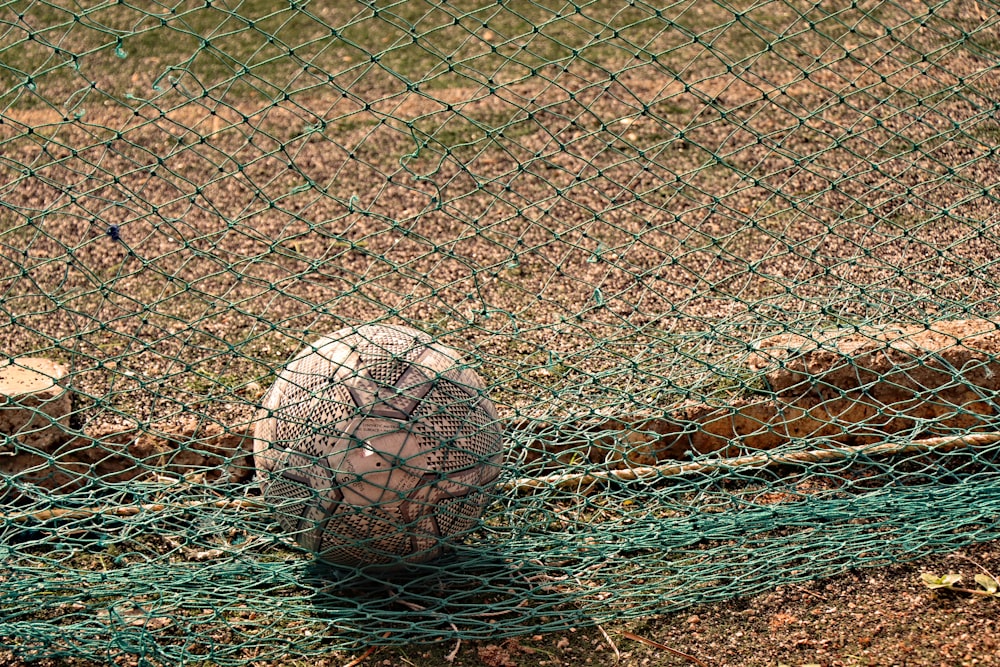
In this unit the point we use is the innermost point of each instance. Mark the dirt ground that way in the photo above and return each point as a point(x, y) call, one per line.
point(604, 206)
point(880, 617)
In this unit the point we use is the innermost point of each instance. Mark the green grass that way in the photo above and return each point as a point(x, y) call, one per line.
point(273, 48)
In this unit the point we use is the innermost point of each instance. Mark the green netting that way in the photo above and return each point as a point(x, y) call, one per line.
point(728, 271)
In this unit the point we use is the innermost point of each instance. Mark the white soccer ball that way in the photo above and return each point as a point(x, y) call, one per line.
point(377, 447)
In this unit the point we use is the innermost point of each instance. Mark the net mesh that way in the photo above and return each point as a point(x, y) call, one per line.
point(728, 271)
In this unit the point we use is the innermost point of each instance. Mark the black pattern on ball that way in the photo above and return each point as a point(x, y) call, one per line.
point(376, 446)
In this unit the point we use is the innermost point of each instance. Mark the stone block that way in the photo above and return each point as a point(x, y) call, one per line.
point(38, 447)
point(853, 387)
point(897, 362)
point(34, 406)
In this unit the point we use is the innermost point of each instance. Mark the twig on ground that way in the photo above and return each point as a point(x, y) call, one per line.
point(454, 652)
point(611, 643)
point(971, 591)
point(458, 640)
point(978, 565)
point(663, 647)
point(809, 592)
point(127, 510)
point(367, 654)
point(763, 460)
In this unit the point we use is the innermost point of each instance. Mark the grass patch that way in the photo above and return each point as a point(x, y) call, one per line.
point(64, 54)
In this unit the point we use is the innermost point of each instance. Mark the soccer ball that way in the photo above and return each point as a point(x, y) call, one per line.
point(377, 447)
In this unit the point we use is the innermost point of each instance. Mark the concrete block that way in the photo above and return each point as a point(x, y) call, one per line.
point(34, 406)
